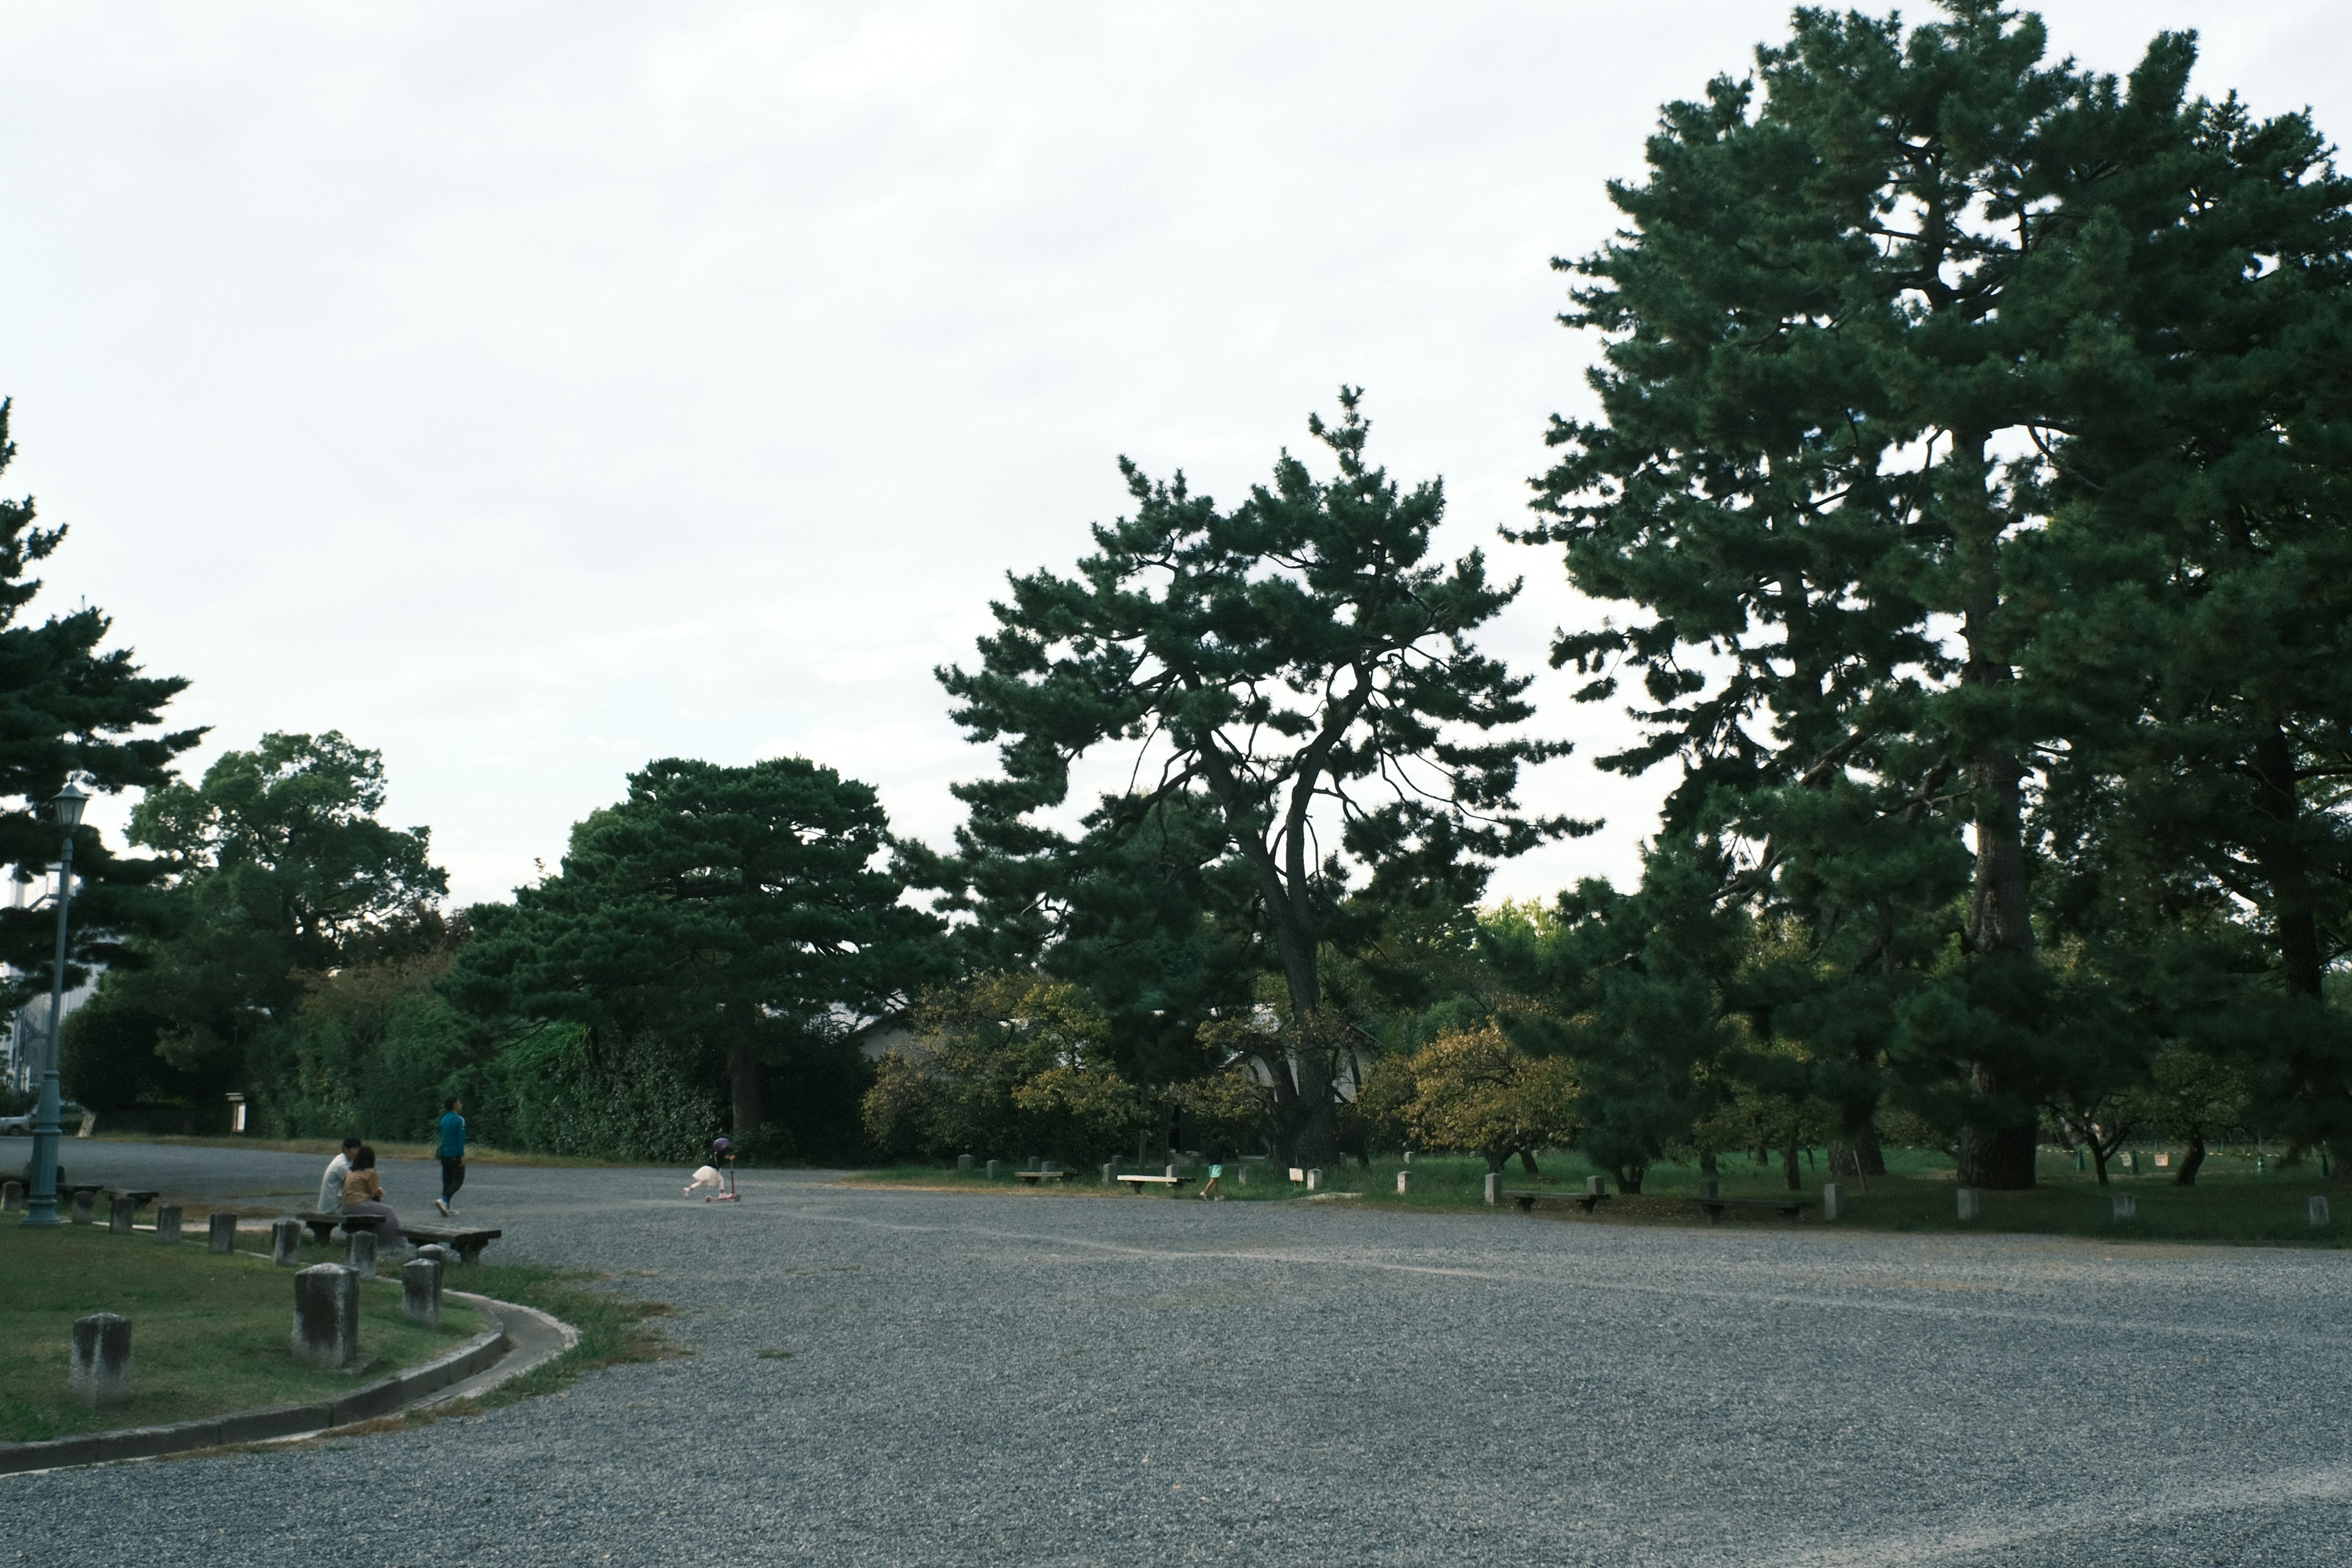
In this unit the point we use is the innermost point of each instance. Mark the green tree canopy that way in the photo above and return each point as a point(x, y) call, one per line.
point(278, 872)
point(1296, 681)
point(731, 910)
point(1860, 330)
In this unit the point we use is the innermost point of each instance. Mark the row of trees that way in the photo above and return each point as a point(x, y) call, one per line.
point(1963, 506)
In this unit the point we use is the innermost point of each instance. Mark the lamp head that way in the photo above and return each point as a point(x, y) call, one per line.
point(69, 804)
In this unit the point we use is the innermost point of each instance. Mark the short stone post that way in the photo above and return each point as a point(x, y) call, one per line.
point(167, 1223)
point(1596, 1187)
point(1315, 1179)
point(84, 1210)
point(362, 1258)
point(286, 1241)
point(1169, 1172)
point(420, 1290)
point(446, 1257)
point(963, 1163)
point(120, 1213)
point(101, 1374)
point(2318, 1211)
point(1405, 1183)
point(223, 1235)
point(995, 1167)
point(2126, 1206)
point(1241, 1175)
point(12, 1196)
point(1833, 1200)
point(1111, 1172)
point(1049, 1167)
point(1971, 1203)
point(1493, 1187)
point(327, 1316)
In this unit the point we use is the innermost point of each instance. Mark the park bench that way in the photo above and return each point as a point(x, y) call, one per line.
point(1528, 1198)
point(1790, 1207)
point(1174, 1183)
point(465, 1241)
point(1034, 1177)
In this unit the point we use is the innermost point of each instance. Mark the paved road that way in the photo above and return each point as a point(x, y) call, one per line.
point(1033, 1379)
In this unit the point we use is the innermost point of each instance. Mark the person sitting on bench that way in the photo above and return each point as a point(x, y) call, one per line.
point(330, 1186)
point(364, 1193)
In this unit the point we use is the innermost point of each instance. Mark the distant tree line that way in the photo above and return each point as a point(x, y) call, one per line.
point(1962, 507)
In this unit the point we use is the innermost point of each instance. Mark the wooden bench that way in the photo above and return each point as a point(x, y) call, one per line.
point(1174, 1183)
point(465, 1241)
point(1790, 1207)
point(1528, 1198)
point(1034, 1177)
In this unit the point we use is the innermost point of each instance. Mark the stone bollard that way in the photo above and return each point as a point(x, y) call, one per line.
point(1170, 1171)
point(327, 1316)
point(420, 1290)
point(84, 1208)
point(100, 1374)
point(361, 1259)
point(119, 1214)
point(1314, 1180)
point(446, 1257)
point(963, 1163)
point(1110, 1174)
point(1833, 1200)
point(1241, 1176)
point(2319, 1211)
point(1971, 1203)
point(2126, 1206)
point(12, 1196)
point(1596, 1187)
point(1405, 1183)
point(995, 1167)
point(286, 1241)
point(1710, 1189)
point(1050, 1168)
point(1493, 1187)
point(222, 1236)
point(167, 1223)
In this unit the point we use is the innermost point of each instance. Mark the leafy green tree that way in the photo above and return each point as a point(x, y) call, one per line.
point(1012, 1065)
point(1297, 673)
point(733, 914)
point(278, 871)
point(68, 704)
point(1473, 1090)
point(1855, 332)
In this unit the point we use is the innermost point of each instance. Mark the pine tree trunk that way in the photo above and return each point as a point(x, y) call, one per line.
point(743, 1086)
point(1789, 1171)
point(1995, 1156)
point(2294, 919)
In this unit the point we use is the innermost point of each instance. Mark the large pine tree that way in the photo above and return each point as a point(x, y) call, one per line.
point(70, 704)
point(1857, 321)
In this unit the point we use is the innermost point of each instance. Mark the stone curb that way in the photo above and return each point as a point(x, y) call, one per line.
point(377, 1399)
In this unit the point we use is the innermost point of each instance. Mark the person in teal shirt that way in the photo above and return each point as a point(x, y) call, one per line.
point(453, 1155)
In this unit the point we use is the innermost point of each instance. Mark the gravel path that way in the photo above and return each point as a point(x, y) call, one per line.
point(1041, 1379)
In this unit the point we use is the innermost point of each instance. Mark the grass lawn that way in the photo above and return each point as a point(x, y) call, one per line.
point(208, 1335)
point(328, 1148)
point(2232, 1202)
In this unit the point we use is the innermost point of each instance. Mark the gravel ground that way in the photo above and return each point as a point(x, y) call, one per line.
point(1042, 1379)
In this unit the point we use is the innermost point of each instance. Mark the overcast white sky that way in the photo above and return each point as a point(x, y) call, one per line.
point(532, 390)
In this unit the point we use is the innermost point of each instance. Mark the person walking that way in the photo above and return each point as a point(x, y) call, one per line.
point(453, 1155)
point(330, 1186)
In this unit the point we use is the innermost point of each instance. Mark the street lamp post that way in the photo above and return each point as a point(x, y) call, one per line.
point(41, 1206)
